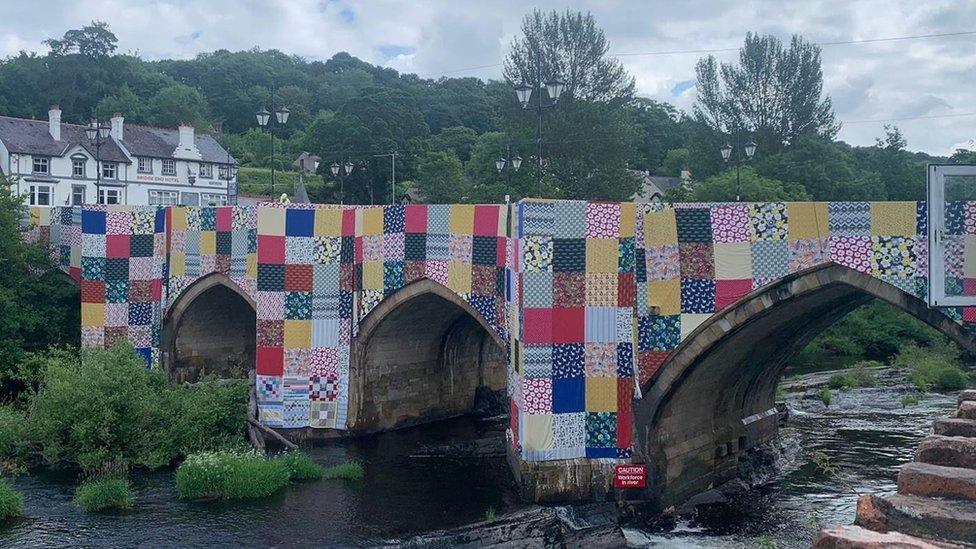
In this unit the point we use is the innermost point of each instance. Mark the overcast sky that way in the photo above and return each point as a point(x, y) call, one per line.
point(868, 82)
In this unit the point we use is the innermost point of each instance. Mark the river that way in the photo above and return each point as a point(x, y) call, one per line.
point(866, 432)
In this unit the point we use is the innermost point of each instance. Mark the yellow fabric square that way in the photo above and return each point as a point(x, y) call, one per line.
point(733, 261)
point(537, 432)
point(252, 266)
point(601, 289)
point(807, 220)
point(459, 276)
point(271, 221)
point(373, 275)
point(601, 255)
point(462, 219)
point(666, 295)
point(627, 226)
point(691, 321)
point(660, 228)
point(208, 243)
point(373, 221)
point(178, 214)
point(177, 264)
point(601, 394)
point(328, 222)
point(298, 334)
point(893, 218)
point(92, 314)
point(35, 216)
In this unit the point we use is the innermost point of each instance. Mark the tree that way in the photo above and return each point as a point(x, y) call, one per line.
point(571, 47)
point(775, 92)
point(662, 133)
point(93, 41)
point(125, 102)
point(902, 175)
point(440, 178)
point(177, 104)
point(723, 188)
point(827, 170)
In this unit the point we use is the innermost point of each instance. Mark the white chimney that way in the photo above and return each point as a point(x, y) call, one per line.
point(54, 122)
point(187, 147)
point(117, 126)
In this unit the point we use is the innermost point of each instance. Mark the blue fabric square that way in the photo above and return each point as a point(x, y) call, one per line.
point(955, 217)
point(345, 305)
point(140, 314)
point(849, 218)
point(537, 361)
point(208, 219)
point(299, 222)
point(601, 324)
point(485, 305)
point(146, 354)
point(625, 359)
point(159, 223)
point(568, 395)
point(567, 360)
point(92, 222)
point(393, 219)
point(922, 217)
point(438, 219)
point(770, 259)
point(537, 218)
point(697, 295)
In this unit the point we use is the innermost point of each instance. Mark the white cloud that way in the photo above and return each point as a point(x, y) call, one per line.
point(902, 79)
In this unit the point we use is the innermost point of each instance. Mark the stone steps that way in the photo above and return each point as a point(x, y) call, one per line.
point(967, 409)
point(856, 537)
point(947, 451)
point(925, 479)
point(948, 520)
point(954, 427)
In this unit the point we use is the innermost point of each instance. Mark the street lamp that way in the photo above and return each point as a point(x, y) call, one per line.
point(523, 91)
point(97, 134)
point(513, 163)
point(345, 169)
point(266, 122)
point(749, 149)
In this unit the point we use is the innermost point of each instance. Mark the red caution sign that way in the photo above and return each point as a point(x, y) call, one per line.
point(630, 476)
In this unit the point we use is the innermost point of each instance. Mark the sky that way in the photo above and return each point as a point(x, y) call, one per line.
point(870, 84)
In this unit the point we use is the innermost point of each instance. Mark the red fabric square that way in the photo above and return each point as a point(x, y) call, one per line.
point(298, 278)
point(75, 273)
point(500, 251)
point(358, 248)
point(650, 362)
point(117, 246)
point(225, 218)
point(625, 290)
point(537, 326)
point(270, 361)
point(92, 291)
point(416, 218)
point(271, 249)
point(969, 314)
point(348, 222)
point(486, 220)
point(969, 286)
point(568, 324)
point(730, 291)
point(157, 289)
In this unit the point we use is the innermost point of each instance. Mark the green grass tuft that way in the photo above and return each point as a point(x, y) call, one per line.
point(350, 470)
point(99, 494)
point(300, 466)
point(11, 502)
point(826, 396)
point(861, 375)
point(229, 474)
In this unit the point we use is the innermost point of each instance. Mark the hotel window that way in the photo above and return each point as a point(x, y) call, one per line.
point(108, 196)
point(41, 165)
point(222, 171)
point(213, 199)
point(78, 167)
point(40, 195)
point(109, 170)
point(163, 198)
point(169, 166)
point(206, 171)
point(145, 165)
point(77, 195)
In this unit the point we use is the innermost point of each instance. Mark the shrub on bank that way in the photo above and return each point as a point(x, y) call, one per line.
point(13, 440)
point(933, 369)
point(101, 493)
point(300, 466)
point(11, 502)
point(860, 375)
point(230, 474)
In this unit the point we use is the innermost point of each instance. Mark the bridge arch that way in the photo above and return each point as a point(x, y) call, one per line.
point(209, 329)
point(714, 395)
point(420, 355)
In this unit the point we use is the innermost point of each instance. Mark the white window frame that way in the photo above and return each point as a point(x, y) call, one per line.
point(217, 199)
point(169, 162)
point(43, 161)
point(159, 197)
point(935, 182)
point(84, 194)
point(75, 162)
point(110, 170)
point(206, 171)
point(145, 165)
point(35, 194)
point(103, 196)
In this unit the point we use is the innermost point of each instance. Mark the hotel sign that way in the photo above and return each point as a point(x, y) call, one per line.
point(149, 178)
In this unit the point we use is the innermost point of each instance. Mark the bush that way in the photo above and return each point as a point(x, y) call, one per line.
point(860, 375)
point(106, 407)
point(350, 470)
point(229, 474)
point(933, 369)
point(13, 440)
point(99, 494)
point(300, 466)
point(11, 502)
point(826, 396)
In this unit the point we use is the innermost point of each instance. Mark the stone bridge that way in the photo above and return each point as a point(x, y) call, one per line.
point(622, 332)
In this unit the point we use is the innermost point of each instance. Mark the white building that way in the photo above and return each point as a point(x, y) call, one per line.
point(55, 164)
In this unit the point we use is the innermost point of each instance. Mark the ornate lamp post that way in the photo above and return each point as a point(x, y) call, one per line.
point(265, 121)
point(341, 172)
point(524, 92)
point(749, 149)
point(97, 134)
point(513, 163)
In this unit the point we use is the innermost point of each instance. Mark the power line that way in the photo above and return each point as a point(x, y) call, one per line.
point(956, 115)
point(724, 50)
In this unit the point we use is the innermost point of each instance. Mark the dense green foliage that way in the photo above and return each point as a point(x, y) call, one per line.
point(102, 493)
point(861, 375)
point(11, 502)
point(300, 466)
point(242, 474)
point(936, 368)
point(103, 408)
point(350, 470)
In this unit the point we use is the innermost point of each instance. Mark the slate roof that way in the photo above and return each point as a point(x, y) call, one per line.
point(24, 136)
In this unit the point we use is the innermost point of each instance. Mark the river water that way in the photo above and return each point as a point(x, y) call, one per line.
point(866, 432)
